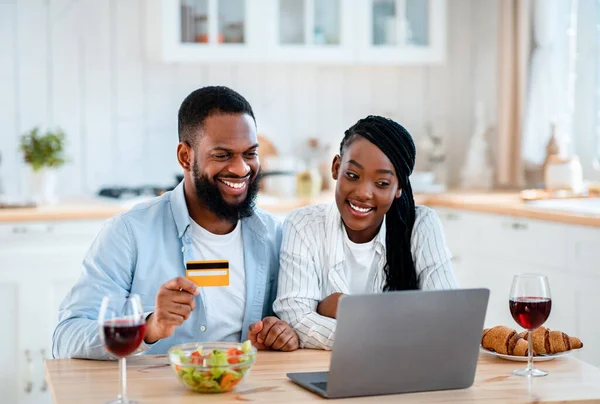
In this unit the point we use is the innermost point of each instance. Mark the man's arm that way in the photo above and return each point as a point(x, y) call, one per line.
point(107, 270)
point(299, 292)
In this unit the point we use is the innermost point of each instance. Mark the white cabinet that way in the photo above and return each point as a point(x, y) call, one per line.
point(211, 30)
point(401, 31)
point(39, 262)
point(322, 31)
point(10, 356)
point(490, 249)
point(309, 31)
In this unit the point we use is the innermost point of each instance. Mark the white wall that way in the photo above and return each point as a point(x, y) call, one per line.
point(83, 65)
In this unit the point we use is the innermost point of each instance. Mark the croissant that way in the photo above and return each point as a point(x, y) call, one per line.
point(546, 341)
point(504, 340)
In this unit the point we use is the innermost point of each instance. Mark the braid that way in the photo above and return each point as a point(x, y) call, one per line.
point(398, 146)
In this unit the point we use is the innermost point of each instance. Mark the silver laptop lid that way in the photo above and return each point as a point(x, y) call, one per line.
point(410, 341)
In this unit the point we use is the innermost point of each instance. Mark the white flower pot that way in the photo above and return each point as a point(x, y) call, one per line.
point(42, 186)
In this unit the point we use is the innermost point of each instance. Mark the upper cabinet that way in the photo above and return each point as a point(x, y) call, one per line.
point(321, 31)
point(401, 31)
point(309, 30)
point(211, 30)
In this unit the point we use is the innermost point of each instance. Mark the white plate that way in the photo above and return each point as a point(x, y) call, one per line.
point(537, 358)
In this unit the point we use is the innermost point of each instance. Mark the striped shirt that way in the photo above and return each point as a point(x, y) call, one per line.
point(312, 266)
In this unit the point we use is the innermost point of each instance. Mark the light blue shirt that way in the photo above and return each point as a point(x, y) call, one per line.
point(138, 251)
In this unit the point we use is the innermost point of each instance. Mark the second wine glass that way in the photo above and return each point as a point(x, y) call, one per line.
point(530, 304)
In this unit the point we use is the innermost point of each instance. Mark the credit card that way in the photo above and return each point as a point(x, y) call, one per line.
point(208, 273)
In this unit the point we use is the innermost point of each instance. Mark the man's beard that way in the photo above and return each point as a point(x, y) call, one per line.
point(209, 194)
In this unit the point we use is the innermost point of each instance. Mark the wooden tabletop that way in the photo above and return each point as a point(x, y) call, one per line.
point(151, 381)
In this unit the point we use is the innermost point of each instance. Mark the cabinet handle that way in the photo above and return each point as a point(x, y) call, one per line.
point(44, 382)
point(519, 226)
point(19, 229)
point(25, 230)
point(515, 225)
point(452, 216)
point(28, 372)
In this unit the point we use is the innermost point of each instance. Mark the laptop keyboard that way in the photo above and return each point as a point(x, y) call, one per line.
point(320, 385)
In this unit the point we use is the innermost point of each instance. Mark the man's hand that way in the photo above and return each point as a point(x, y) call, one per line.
point(273, 333)
point(328, 306)
point(174, 304)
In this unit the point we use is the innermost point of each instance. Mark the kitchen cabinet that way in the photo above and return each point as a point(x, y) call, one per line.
point(210, 30)
point(400, 31)
point(490, 249)
point(39, 262)
point(309, 31)
point(372, 32)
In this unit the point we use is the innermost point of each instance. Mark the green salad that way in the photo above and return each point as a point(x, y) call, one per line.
point(214, 371)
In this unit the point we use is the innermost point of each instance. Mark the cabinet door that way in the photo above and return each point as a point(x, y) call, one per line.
point(38, 315)
point(488, 250)
point(585, 317)
point(12, 357)
point(474, 271)
point(309, 31)
point(584, 262)
point(583, 252)
point(212, 30)
point(462, 231)
point(40, 262)
point(401, 31)
point(533, 242)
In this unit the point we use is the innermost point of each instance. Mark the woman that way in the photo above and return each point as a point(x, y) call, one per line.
point(372, 239)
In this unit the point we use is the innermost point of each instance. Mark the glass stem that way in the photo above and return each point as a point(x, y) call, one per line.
point(530, 350)
point(122, 381)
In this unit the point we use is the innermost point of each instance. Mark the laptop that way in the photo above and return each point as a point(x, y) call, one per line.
point(402, 342)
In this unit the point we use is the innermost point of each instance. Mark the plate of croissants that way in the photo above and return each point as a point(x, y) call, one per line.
point(506, 343)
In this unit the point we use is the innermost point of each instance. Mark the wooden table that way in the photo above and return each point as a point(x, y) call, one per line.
point(151, 380)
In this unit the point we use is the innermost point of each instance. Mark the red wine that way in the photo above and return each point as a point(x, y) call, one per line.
point(122, 338)
point(530, 312)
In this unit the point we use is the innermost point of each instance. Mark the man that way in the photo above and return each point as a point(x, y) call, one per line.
point(210, 215)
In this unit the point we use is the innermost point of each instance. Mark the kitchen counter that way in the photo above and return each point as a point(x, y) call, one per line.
point(509, 204)
point(494, 203)
point(151, 380)
point(101, 208)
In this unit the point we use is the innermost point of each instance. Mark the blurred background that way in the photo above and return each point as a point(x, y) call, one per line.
point(112, 74)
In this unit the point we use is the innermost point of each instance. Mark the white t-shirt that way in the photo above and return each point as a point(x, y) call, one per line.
point(360, 264)
point(224, 305)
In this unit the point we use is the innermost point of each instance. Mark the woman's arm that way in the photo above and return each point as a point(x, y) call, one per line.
point(432, 258)
point(299, 290)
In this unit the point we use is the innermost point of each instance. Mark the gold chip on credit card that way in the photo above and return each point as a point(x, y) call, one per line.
point(208, 273)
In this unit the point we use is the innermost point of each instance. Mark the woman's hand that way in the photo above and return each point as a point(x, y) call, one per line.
point(272, 333)
point(328, 306)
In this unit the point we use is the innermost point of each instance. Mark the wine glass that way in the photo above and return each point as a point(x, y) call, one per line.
point(122, 328)
point(530, 305)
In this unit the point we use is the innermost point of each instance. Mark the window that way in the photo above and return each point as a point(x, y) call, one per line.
point(586, 108)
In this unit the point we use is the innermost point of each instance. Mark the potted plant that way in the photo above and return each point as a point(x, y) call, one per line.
point(44, 153)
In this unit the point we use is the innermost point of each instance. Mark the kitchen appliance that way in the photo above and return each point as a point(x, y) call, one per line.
point(118, 192)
